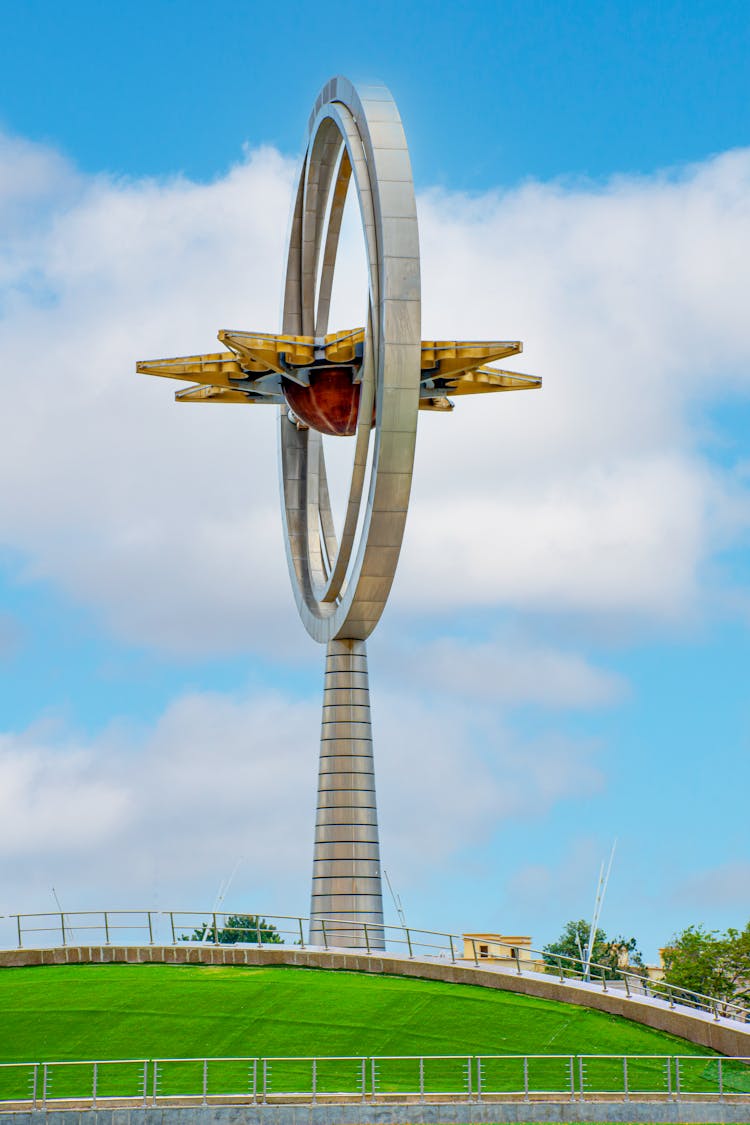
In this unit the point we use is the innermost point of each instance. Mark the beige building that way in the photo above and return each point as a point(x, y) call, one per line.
point(515, 950)
point(510, 948)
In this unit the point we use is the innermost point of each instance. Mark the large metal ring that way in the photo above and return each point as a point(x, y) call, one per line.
point(341, 588)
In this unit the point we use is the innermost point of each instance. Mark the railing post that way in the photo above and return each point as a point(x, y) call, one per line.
point(721, 1080)
point(18, 924)
point(258, 937)
point(145, 1082)
point(453, 953)
point(474, 947)
point(34, 1079)
point(106, 928)
point(669, 1077)
point(94, 1084)
point(408, 941)
point(677, 1077)
point(468, 1076)
point(367, 937)
point(150, 929)
point(421, 1078)
point(216, 931)
point(479, 1078)
point(44, 1085)
point(62, 928)
point(518, 961)
point(325, 935)
point(572, 1078)
point(580, 1078)
point(265, 1080)
point(604, 982)
point(171, 924)
point(314, 1081)
point(155, 1077)
point(625, 1077)
point(560, 970)
point(363, 1075)
point(255, 1082)
point(716, 1011)
point(205, 1081)
point(525, 1078)
point(670, 997)
point(626, 978)
point(372, 1079)
point(301, 933)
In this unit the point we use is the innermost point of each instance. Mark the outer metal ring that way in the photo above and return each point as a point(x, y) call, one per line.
point(341, 588)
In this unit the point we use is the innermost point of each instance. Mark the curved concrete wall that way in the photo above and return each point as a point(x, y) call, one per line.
point(384, 1113)
point(725, 1036)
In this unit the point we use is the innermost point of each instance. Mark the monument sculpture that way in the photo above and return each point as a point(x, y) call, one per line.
point(367, 383)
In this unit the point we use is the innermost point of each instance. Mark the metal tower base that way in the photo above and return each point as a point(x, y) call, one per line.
point(346, 863)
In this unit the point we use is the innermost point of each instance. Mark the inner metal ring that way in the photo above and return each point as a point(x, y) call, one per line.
point(341, 589)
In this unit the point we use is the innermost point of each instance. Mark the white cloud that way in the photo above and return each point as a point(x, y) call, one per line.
point(506, 670)
point(589, 496)
point(726, 886)
point(11, 634)
point(162, 813)
point(592, 496)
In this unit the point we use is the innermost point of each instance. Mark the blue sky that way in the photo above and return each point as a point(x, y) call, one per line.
point(567, 643)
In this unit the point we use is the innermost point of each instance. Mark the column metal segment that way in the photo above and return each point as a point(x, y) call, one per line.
point(346, 883)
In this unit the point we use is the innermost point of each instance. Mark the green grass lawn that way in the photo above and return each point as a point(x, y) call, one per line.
point(147, 1011)
point(79, 1012)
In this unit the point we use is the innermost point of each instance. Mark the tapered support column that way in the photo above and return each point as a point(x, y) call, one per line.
point(346, 863)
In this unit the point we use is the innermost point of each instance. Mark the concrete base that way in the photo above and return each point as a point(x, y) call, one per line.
point(384, 1113)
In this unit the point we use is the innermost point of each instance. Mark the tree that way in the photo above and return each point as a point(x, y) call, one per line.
point(710, 962)
point(614, 956)
point(249, 928)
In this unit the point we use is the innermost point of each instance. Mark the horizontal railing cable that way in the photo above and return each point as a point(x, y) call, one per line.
point(373, 1078)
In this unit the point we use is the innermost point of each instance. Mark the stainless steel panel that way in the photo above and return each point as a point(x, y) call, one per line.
point(357, 800)
point(343, 781)
point(400, 317)
point(387, 134)
point(349, 696)
point(346, 850)
point(327, 877)
point(345, 712)
point(335, 680)
point(349, 834)
point(345, 888)
point(348, 815)
point(345, 730)
point(346, 663)
point(343, 763)
point(396, 198)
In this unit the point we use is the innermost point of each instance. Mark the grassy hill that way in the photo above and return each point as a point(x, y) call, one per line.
point(161, 1011)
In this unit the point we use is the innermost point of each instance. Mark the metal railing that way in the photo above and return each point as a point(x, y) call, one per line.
point(174, 927)
point(366, 1078)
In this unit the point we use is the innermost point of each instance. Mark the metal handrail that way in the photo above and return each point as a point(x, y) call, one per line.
point(371, 1079)
point(371, 934)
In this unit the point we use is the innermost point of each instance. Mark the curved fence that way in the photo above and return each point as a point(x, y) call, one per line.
point(151, 1082)
point(170, 927)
